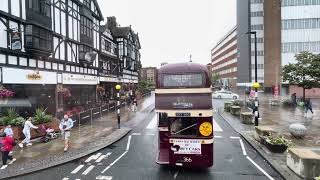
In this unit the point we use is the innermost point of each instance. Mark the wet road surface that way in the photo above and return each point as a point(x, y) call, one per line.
point(133, 158)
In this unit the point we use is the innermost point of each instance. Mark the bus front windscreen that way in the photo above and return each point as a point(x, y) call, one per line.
point(182, 80)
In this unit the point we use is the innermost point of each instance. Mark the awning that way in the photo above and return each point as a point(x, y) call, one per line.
point(15, 103)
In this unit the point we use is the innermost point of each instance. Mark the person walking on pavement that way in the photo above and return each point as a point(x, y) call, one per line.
point(65, 126)
point(294, 99)
point(7, 146)
point(308, 106)
point(26, 131)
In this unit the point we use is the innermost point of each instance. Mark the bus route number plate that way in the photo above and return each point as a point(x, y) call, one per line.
point(183, 114)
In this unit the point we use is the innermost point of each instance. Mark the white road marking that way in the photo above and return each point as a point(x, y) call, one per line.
point(65, 179)
point(88, 170)
point(232, 137)
point(104, 177)
point(218, 137)
point(4, 167)
point(114, 162)
point(175, 175)
point(153, 123)
point(78, 179)
point(136, 134)
point(150, 134)
point(102, 157)
point(128, 144)
point(242, 147)
point(93, 157)
point(216, 126)
point(257, 166)
point(77, 169)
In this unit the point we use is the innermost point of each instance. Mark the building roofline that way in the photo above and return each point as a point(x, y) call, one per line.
point(225, 37)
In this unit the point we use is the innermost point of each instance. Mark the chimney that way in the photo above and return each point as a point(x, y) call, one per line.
point(111, 22)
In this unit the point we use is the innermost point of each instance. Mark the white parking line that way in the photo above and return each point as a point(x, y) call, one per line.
point(77, 169)
point(104, 177)
point(216, 126)
point(88, 170)
point(257, 166)
point(242, 147)
point(218, 137)
point(65, 178)
point(153, 123)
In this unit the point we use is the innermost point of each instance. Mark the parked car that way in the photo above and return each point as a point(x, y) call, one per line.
point(225, 95)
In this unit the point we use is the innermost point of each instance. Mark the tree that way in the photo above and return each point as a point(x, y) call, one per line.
point(214, 78)
point(305, 72)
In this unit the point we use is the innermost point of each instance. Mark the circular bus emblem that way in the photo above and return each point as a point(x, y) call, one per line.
point(205, 129)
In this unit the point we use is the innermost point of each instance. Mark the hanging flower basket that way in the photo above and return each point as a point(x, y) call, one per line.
point(100, 89)
point(5, 93)
point(65, 92)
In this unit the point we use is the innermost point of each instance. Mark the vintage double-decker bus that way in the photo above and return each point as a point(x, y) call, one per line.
point(183, 104)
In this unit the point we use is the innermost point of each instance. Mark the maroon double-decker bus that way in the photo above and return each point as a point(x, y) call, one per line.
point(183, 104)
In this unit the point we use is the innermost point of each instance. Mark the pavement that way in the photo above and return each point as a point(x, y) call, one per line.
point(279, 118)
point(85, 139)
point(133, 157)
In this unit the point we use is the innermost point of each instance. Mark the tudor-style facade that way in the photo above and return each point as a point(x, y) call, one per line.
point(128, 51)
point(55, 41)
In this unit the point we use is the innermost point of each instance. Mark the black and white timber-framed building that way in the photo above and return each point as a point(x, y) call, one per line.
point(50, 47)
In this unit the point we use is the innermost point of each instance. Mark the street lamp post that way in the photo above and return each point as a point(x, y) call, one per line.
point(118, 88)
point(256, 85)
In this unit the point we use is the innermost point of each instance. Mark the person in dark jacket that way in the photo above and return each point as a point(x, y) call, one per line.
point(7, 146)
point(308, 106)
point(294, 99)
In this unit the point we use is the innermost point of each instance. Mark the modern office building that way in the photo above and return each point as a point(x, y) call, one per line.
point(224, 59)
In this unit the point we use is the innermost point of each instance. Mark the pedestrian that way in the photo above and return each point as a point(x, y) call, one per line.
point(308, 106)
point(294, 99)
point(8, 131)
point(65, 126)
point(7, 146)
point(134, 106)
point(26, 131)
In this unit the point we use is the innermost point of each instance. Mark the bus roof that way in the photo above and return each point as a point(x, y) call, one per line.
point(180, 68)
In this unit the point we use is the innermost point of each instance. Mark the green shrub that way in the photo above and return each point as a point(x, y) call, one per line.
point(10, 115)
point(279, 140)
point(19, 122)
point(41, 117)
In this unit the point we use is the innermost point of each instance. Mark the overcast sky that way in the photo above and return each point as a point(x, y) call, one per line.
point(171, 30)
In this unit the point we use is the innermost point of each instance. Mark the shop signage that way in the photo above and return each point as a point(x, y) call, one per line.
point(22, 76)
point(34, 76)
point(16, 41)
point(108, 79)
point(79, 79)
point(186, 146)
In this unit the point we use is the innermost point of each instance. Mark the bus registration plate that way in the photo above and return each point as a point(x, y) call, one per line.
point(186, 146)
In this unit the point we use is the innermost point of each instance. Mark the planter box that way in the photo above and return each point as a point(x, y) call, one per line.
point(235, 110)
point(246, 117)
point(227, 106)
point(276, 148)
point(262, 131)
point(53, 125)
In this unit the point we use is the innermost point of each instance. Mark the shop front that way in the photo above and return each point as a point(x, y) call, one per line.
point(108, 84)
point(76, 93)
point(31, 89)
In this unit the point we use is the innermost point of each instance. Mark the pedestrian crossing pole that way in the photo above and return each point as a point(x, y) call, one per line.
point(256, 103)
point(118, 88)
